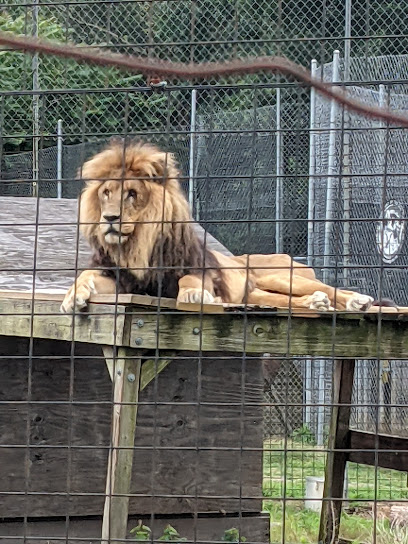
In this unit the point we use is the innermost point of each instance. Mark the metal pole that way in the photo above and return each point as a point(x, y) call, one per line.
point(347, 40)
point(312, 170)
point(59, 158)
point(192, 149)
point(308, 392)
point(36, 100)
point(320, 410)
point(346, 150)
point(331, 171)
point(279, 185)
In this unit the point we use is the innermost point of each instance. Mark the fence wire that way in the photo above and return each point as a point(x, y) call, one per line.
point(250, 169)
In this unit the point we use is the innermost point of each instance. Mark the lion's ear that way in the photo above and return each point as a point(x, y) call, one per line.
point(164, 165)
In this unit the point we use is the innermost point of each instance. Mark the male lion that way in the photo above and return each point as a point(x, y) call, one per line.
point(137, 220)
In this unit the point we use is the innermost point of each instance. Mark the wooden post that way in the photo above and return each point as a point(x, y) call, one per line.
point(339, 439)
point(125, 373)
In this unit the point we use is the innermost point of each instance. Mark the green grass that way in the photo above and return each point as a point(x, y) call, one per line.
point(284, 477)
point(302, 526)
point(285, 473)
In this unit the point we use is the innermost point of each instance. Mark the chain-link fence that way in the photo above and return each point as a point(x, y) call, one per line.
point(360, 185)
point(249, 159)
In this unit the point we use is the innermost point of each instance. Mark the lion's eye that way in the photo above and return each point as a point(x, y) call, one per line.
point(106, 192)
point(131, 194)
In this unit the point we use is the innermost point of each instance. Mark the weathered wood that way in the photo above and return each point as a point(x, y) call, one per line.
point(170, 476)
point(126, 380)
point(392, 451)
point(152, 368)
point(87, 531)
point(101, 325)
point(357, 338)
point(53, 234)
point(339, 439)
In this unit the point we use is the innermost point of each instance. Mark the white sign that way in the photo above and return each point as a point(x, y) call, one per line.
point(391, 231)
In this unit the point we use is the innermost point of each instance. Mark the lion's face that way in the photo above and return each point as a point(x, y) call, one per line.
point(121, 208)
point(131, 197)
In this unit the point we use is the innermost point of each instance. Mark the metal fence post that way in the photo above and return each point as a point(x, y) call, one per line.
point(312, 171)
point(59, 158)
point(36, 100)
point(331, 173)
point(192, 150)
point(279, 181)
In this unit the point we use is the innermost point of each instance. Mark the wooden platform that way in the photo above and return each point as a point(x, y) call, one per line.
point(147, 323)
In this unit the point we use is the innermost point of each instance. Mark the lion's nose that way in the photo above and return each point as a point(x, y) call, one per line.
point(111, 218)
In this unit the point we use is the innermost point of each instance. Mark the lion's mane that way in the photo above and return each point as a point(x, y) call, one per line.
point(163, 246)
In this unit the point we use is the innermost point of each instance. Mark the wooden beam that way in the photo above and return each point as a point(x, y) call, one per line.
point(126, 380)
point(150, 368)
point(336, 460)
point(392, 451)
point(101, 324)
point(359, 337)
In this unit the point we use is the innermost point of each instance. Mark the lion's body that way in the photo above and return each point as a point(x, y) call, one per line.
point(137, 220)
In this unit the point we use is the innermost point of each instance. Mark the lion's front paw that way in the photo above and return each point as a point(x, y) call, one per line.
point(77, 299)
point(359, 303)
point(195, 296)
point(319, 301)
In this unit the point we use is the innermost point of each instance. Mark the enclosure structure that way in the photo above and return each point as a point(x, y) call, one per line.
point(69, 443)
point(82, 442)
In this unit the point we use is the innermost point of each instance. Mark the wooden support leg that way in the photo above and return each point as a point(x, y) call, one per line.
point(339, 438)
point(125, 374)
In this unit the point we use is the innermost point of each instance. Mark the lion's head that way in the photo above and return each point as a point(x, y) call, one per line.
point(132, 196)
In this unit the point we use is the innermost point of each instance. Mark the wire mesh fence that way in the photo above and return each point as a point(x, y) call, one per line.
point(216, 432)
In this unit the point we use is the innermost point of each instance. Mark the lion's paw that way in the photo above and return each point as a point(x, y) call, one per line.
point(196, 296)
point(319, 301)
point(359, 303)
point(77, 299)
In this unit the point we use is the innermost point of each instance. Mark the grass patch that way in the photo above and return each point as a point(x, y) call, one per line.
point(284, 477)
point(285, 473)
point(302, 526)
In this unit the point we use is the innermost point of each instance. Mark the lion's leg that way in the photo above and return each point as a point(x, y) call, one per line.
point(89, 282)
point(292, 284)
point(316, 301)
point(196, 289)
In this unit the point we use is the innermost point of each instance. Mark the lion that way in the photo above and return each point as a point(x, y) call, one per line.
point(135, 217)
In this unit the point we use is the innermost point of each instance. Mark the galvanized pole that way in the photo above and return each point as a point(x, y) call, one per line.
point(192, 149)
point(321, 402)
point(346, 150)
point(346, 174)
point(279, 181)
point(310, 230)
point(59, 158)
point(312, 170)
point(36, 100)
point(331, 173)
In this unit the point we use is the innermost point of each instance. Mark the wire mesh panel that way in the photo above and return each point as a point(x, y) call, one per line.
point(370, 181)
point(133, 417)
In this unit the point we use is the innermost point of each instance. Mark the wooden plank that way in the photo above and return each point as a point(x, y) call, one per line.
point(87, 531)
point(69, 442)
point(101, 325)
point(343, 378)
point(150, 368)
point(358, 338)
point(126, 380)
point(57, 295)
point(392, 451)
